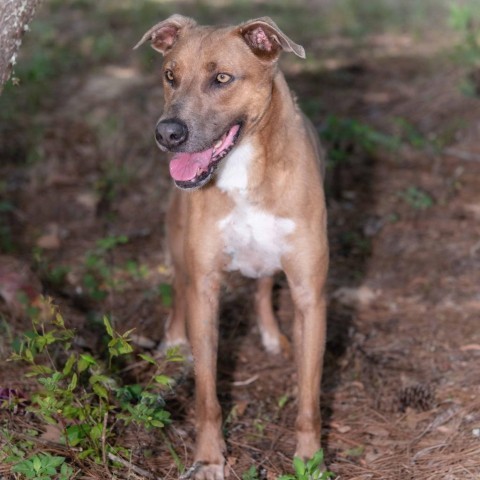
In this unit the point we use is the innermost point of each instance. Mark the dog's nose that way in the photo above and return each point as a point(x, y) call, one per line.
point(171, 133)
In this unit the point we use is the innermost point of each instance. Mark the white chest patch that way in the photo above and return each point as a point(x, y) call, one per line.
point(233, 173)
point(254, 240)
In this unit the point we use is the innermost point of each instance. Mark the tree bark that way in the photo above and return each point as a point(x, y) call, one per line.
point(15, 16)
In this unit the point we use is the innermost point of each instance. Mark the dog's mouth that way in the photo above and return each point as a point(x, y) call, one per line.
point(194, 169)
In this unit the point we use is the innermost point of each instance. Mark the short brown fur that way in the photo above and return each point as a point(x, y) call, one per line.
point(284, 181)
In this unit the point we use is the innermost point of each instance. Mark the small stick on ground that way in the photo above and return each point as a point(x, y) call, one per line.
point(132, 467)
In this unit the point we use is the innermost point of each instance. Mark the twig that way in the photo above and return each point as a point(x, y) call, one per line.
point(244, 383)
point(462, 155)
point(104, 441)
point(131, 466)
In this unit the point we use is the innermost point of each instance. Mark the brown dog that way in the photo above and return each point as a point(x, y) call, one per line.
point(250, 167)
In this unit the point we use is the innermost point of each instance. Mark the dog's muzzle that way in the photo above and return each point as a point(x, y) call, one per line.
point(171, 133)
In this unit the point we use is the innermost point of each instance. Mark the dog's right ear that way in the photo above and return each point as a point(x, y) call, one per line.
point(163, 35)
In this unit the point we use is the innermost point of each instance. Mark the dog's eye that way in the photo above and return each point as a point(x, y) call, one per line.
point(169, 76)
point(223, 78)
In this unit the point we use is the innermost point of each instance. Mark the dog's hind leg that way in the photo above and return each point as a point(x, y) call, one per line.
point(272, 338)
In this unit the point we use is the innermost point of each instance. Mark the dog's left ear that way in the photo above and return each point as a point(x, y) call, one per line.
point(266, 40)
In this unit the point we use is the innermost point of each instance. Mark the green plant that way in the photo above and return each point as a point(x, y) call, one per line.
point(312, 469)
point(44, 466)
point(166, 294)
point(251, 474)
point(465, 19)
point(345, 137)
point(79, 394)
point(99, 274)
point(417, 198)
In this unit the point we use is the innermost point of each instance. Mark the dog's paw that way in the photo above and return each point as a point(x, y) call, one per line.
point(202, 471)
point(278, 344)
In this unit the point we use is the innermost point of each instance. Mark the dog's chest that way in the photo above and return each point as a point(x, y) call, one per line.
point(254, 239)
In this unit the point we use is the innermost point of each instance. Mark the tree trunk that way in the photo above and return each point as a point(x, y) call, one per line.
point(14, 18)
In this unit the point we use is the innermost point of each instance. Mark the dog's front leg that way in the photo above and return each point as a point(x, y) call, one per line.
point(307, 287)
point(202, 298)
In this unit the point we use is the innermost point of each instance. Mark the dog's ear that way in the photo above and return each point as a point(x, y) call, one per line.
point(163, 35)
point(266, 40)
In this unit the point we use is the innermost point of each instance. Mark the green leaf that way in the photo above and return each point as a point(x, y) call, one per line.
point(174, 355)
point(97, 431)
point(73, 383)
point(108, 326)
point(299, 466)
point(166, 294)
point(28, 355)
point(127, 333)
point(85, 453)
point(101, 391)
point(58, 321)
point(98, 379)
point(147, 358)
point(39, 370)
point(36, 463)
point(25, 467)
point(119, 346)
point(85, 361)
point(77, 433)
point(69, 364)
point(163, 380)
point(316, 461)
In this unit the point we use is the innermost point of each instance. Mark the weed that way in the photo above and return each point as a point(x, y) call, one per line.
point(53, 275)
point(409, 134)
point(282, 401)
point(259, 426)
point(346, 137)
point(166, 294)
point(136, 270)
point(99, 276)
point(312, 469)
point(81, 397)
point(43, 466)
point(417, 198)
point(465, 19)
point(251, 474)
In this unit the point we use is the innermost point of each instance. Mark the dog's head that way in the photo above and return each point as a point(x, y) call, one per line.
point(217, 84)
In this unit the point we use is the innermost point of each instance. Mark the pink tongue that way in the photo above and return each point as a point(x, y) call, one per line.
point(186, 166)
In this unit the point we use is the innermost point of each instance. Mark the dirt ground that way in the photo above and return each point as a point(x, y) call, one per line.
point(400, 397)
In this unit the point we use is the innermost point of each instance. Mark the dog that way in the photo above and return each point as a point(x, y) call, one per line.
point(249, 171)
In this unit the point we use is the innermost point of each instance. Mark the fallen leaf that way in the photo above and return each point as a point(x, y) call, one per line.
point(142, 341)
point(355, 296)
point(52, 434)
point(50, 241)
point(377, 431)
point(340, 428)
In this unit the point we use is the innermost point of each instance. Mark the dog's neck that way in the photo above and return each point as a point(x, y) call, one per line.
point(246, 167)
